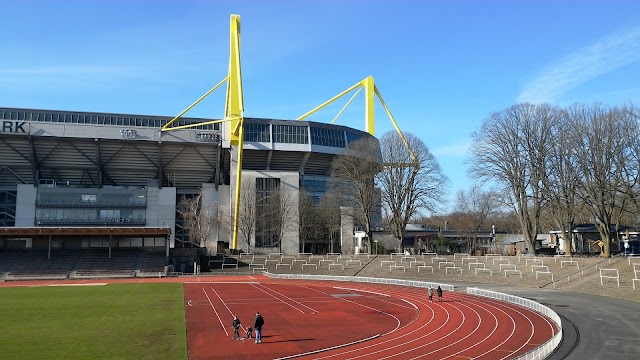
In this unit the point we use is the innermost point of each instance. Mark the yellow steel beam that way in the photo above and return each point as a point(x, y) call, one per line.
point(234, 106)
point(395, 124)
point(329, 101)
point(370, 91)
point(346, 105)
point(234, 110)
point(369, 105)
point(166, 126)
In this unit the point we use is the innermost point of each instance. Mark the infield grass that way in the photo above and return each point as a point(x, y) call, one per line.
point(115, 321)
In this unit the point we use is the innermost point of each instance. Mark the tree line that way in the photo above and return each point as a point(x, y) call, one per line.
point(562, 164)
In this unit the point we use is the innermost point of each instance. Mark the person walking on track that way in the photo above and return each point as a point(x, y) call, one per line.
point(236, 327)
point(257, 327)
point(430, 294)
point(439, 290)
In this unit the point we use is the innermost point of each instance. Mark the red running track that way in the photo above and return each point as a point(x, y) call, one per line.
point(343, 320)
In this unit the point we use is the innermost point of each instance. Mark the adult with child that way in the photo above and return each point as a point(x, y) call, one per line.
point(257, 327)
point(236, 327)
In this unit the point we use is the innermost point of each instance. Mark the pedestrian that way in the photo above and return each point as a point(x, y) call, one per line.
point(430, 294)
point(236, 327)
point(439, 293)
point(257, 327)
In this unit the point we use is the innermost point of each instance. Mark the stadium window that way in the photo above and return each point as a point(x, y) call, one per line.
point(47, 117)
point(74, 119)
point(20, 115)
point(56, 117)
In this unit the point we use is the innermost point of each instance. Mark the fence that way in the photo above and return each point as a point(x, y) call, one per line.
point(362, 279)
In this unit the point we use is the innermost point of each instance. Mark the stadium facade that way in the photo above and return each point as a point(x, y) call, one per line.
point(81, 179)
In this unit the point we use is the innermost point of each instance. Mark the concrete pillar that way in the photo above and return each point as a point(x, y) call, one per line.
point(347, 240)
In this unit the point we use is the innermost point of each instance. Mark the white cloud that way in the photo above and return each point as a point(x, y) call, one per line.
point(585, 64)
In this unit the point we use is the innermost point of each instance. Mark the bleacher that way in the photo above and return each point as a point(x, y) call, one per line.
point(37, 263)
point(96, 263)
point(152, 263)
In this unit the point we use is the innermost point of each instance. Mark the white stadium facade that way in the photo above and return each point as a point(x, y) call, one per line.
point(89, 180)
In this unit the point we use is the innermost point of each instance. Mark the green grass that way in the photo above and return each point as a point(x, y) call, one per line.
point(116, 321)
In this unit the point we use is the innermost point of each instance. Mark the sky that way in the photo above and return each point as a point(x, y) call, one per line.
point(442, 67)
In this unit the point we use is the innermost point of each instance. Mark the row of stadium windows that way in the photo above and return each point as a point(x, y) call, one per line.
point(294, 134)
point(98, 119)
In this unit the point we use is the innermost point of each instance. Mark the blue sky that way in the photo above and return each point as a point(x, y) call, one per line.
point(441, 66)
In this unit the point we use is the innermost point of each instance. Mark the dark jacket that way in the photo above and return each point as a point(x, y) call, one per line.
point(258, 323)
point(439, 291)
point(236, 323)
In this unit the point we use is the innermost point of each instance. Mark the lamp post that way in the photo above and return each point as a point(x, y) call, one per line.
point(376, 242)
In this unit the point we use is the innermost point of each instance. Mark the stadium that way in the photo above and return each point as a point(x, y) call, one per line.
point(86, 197)
point(108, 183)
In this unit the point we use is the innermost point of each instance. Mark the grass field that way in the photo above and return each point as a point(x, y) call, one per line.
point(115, 321)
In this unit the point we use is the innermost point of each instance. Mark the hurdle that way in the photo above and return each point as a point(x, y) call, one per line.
point(570, 262)
point(485, 270)
point(604, 274)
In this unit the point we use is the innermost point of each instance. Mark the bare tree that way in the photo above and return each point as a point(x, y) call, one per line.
point(330, 216)
point(199, 220)
point(475, 206)
point(358, 165)
point(562, 185)
point(410, 180)
point(309, 220)
point(512, 148)
point(603, 157)
point(247, 212)
point(283, 212)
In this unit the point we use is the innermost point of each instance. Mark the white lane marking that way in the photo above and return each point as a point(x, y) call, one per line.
point(282, 301)
point(214, 310)
point(288, 298)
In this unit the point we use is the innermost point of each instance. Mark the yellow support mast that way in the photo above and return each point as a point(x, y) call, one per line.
point(233, 113)
point(370, 93)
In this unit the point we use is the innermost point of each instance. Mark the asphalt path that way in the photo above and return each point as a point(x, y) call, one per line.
point(595, 327)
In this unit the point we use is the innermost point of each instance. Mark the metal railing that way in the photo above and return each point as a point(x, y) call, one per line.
point(362, 279)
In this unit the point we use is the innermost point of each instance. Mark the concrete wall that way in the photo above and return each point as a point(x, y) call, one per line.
point(26, 205)
point(161, 209)
point(347, 240)
point(290, 183)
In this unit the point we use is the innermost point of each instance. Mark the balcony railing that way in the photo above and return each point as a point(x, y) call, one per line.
point(97, 204)
point(84, 222)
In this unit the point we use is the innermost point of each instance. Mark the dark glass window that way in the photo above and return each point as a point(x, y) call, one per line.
point(327, 137)
point(267, 203)
point(256, 133)
point(290, 134)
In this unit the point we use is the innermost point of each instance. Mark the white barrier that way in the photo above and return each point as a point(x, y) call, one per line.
point(544, 350)
point(604, 274)
point(362, 279)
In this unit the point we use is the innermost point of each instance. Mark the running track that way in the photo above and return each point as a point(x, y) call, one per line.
point(338, 320)
point(343, 320)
